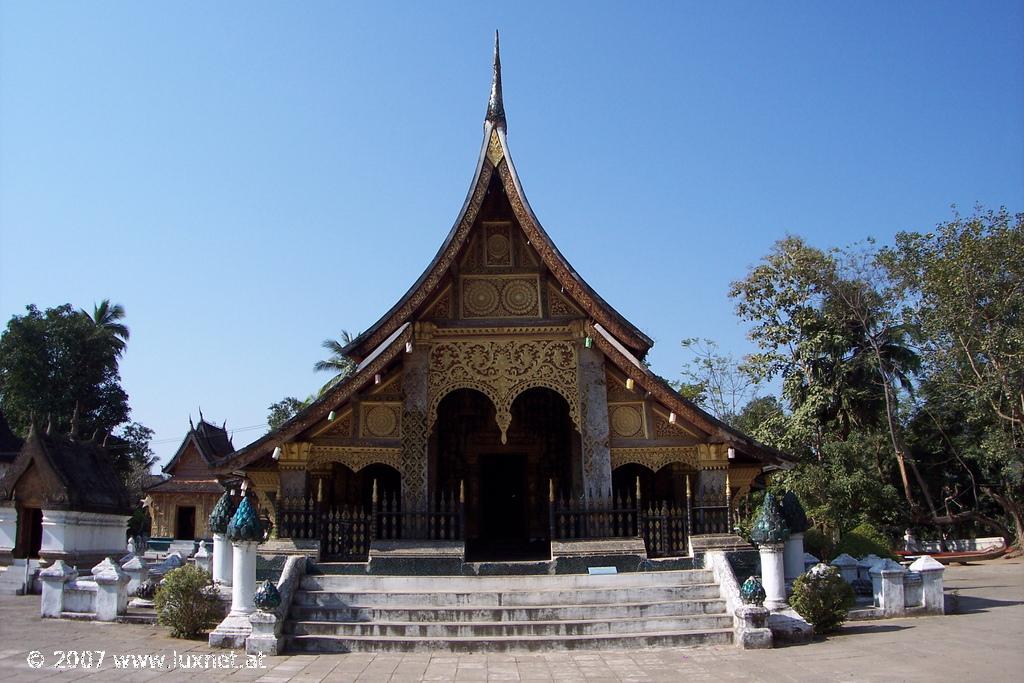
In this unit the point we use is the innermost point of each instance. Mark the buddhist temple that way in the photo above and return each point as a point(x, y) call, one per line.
point(180, 505)
point(502, 404)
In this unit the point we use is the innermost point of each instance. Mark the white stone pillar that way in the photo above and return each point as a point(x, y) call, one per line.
point(222, 556)
point(931, 571)
point(243, 578)
point(202, 556)
point(53, 579)
point(887, 584)
point(793, 556)
point(111, 590)
point(773, 575)
point(137, 571)
point(847, 566)
point(8, 530)
point(865, 565)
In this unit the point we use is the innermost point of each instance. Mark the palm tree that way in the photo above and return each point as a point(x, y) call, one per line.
point(107, 318)
point(338, 363)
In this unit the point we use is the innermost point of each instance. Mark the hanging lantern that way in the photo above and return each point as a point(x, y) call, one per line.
point(408, 347)
point(588, 342)
point(330, 416)
point(277, 453)
point(672, 418)
point(629, 383)
point(376, 378)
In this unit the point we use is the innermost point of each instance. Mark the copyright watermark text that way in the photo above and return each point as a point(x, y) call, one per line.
point(134, 661)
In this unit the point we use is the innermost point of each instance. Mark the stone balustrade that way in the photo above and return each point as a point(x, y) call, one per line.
point(103, 597)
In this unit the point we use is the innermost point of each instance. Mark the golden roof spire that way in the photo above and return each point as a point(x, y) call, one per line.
point(495, 105)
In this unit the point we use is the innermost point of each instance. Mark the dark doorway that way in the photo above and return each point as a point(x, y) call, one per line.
point(35, 531)
point(186, 528)
point(503, 498)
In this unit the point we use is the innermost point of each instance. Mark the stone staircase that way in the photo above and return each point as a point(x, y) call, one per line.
point(369, 613)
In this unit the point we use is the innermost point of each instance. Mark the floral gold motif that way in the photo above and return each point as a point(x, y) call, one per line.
point(502, 370)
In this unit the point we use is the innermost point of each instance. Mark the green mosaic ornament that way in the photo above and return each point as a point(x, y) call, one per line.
point(752, 592)
point(221, 514)
point(267, 598)
point(793, 513)
point(769, 525)
point(245, 524)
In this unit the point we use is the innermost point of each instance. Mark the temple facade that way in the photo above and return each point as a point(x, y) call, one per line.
point(500, 403)
point(180, 505)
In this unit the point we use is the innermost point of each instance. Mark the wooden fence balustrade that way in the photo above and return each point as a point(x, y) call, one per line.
point(346, 531)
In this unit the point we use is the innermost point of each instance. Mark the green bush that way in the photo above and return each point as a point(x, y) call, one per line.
point(186, 602)
point(817, 543)
point(822, 598)
point(864, 539)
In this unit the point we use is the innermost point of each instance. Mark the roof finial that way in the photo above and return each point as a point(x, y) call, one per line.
point(495, 105)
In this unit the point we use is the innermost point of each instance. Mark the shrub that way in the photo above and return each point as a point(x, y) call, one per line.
point(864, 539)
point(822, 598)
point(186, 602)
point(817, 543)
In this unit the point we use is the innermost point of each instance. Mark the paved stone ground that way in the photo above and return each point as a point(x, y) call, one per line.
point(983, 641)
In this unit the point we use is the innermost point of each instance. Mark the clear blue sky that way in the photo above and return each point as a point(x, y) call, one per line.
point(249, 178)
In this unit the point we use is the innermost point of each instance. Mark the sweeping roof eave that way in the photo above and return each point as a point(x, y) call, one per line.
point(719, 432)
point(319, 409)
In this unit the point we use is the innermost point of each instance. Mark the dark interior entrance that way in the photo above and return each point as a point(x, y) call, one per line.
point(503, 498)
point(186, 528)
point(35, 531)
point(506, 483)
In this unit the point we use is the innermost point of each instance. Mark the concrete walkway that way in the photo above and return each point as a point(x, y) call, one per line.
point(983, 641)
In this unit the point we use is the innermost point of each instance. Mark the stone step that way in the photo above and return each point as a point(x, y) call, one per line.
point(509, 598)
point(450, 630)
point(635, 610)
point(326, 643)
point(79, 616)
point(354, 583)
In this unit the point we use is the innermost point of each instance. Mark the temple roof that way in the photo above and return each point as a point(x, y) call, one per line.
point(78, 475)
point(212, 443)
point(495, 159)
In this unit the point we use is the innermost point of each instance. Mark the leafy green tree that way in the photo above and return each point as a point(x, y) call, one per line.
point(965, 285)
point(827, 324)
point(284, 410)
point(53, 365)
point(337, 363)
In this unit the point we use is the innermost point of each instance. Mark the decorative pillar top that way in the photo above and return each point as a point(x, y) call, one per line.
point(221, 515)
point(769, 526)
point(245, 524)
point(793, 512)
point(752, 591)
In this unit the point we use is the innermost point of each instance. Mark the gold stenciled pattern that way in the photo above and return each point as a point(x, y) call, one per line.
point(494, 150)
point(627, 421)
point(502, 370)
point(354, 457)
point(381, 420)
point(500, 297)
point(654, 458)
point(497, 243)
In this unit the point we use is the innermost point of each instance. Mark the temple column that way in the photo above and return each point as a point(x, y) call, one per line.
point(596, 450)
point(413, 464)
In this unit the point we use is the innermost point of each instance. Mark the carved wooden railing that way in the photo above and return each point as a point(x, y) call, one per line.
point(592, 517)
point(446, 521)
point(346, 531)
point(711, 513)
point(665, 529)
